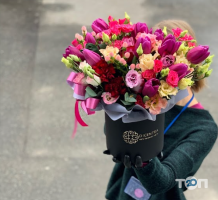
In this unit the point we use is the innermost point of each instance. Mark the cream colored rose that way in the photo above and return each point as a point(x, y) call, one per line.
point(146, 62)
point(182, 59)
point(93, 81)
point(165, 89)
point(184, 83)
point(109, 51)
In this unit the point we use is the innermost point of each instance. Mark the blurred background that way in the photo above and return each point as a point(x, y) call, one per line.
point(38, 158)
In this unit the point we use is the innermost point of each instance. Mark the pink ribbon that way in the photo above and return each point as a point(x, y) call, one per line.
point(86, 104)
point(70, 79)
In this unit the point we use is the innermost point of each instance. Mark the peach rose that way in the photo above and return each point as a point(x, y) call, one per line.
point(146, 62)
point(109, 51)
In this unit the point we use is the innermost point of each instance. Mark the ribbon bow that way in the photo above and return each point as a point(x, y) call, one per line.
point(86, 104)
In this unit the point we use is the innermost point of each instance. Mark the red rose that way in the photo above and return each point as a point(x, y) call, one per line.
point(148, 74)
point(113, 23)
point(105, 71)
point(115, 30)
point(116, 87)
point(139, 101)
point(172, 78)
point(121, 21)
point(158, 65)
point(126, 28)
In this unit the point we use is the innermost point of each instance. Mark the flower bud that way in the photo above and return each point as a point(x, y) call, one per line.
point(202, 69)
point(132, 66)
point(125, 45)
point(75, 58)
point(165, 31)
point(209, 59)
point(182, 34)
point(114, 37)
point(105, 37)
point(84, 30)
point(207, 74)
point(139, 50)
point(127, 55)
point(183, 49)
point(164, 72)
point(127, 16)
point(66, 62)
point(145, 98)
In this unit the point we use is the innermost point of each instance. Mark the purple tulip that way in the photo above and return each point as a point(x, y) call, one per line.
point(89, 38)
point(168, 60)
point(99, 25)
point(140, 27)
point(181, 69)
point(146, 45)
point(151, 87)
point(169, 46)
point(159, 33)
point(74, 51)
point(198, 54)
point(91, 57)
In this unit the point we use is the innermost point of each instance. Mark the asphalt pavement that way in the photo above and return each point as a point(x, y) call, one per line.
point(38, 158)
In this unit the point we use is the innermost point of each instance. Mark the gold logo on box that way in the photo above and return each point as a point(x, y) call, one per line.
point(131, 137)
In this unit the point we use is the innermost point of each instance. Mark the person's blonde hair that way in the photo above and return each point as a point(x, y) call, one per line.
point(173, 24)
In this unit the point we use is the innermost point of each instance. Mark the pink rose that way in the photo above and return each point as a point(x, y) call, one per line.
point(157, 66)
point(133, 78)
point(172, 78)
point(117, 43)
point(110, 18)
point(152, 37)
point(113, 23)
point(177, 32)
point(126, 28)
point(115, 30)
point(121, 21)
point(148, 74)
point(129, 40)
point(75, 42)
point(79, 47)
point(107, 98)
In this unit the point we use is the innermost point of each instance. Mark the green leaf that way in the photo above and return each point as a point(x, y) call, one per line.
point(93, 47)
point(129, 98)
point(102, 46)
point(126, 96)
point(99, 93)
point(87, 95)
point(134, 60)
point(130, 107)
point(126, 21)
point(91, 92)
point(125, 102)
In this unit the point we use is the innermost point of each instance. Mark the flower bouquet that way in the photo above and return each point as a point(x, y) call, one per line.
point(135, 75)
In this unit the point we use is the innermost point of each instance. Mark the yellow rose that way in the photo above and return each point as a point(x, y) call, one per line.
point(109, 51)
point(182, 59)
point(165, 89)
point(146, 62)
point(184, 83)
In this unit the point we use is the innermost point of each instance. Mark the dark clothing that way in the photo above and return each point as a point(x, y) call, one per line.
point(186, 144)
